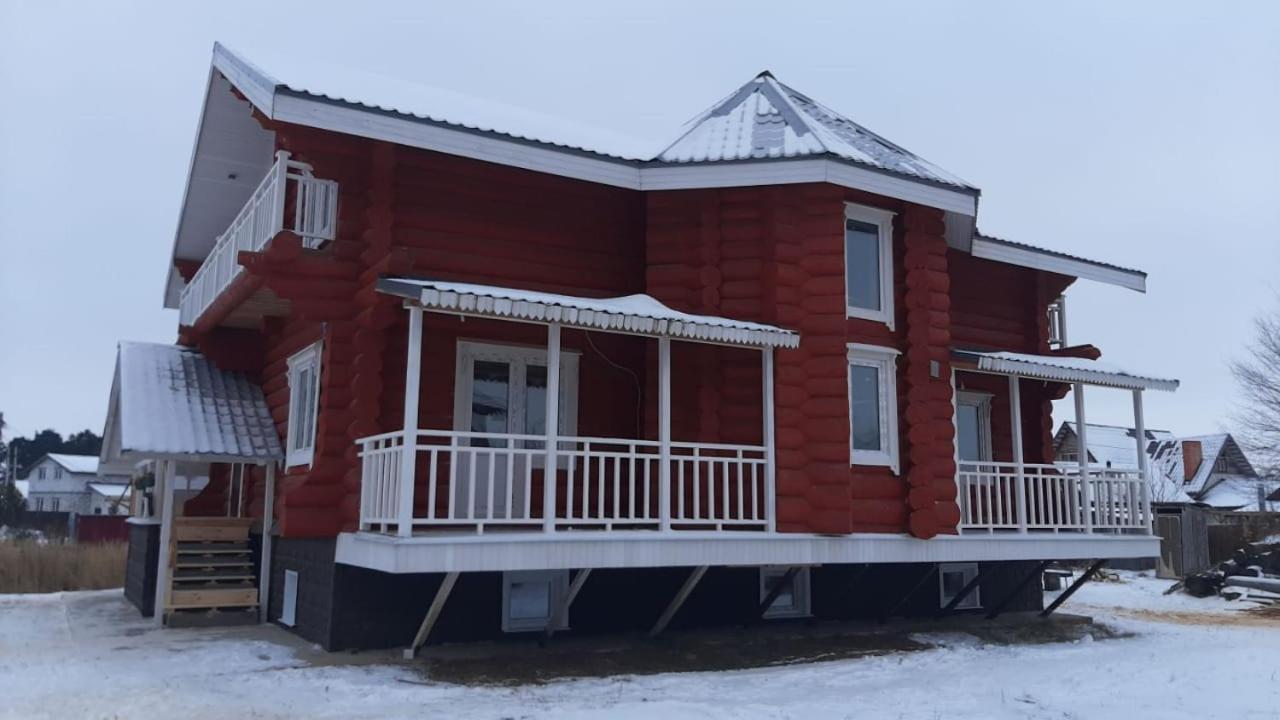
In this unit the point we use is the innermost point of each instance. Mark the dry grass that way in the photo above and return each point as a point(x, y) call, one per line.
point(31, 567)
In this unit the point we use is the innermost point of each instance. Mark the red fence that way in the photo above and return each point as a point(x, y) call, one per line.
point(102, 528)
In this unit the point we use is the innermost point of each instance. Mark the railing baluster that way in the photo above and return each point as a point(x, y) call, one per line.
point(431, 482)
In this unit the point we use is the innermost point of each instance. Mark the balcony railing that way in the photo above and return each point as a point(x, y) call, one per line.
point(1005, 496)
point(314, 219)
point(476, 480)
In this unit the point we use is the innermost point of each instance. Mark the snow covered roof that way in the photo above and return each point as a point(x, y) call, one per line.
point(1114, 446)
point(79, 464)
point(110, 490)
point(765, 119)
point(1066, 369)
point(172, 402)
point(24, 487)
point(639, 314)
point(1240, 493)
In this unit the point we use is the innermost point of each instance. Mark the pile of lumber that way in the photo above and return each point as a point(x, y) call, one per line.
point(1252, 574)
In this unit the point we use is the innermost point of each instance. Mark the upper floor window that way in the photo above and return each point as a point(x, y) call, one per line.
point(868, 263)
point(57, 472)
point(873, 405)
point(41, 473)
point(304, 397)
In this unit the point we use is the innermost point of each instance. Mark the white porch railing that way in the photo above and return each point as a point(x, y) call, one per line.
point(475, 480)
point(1000, 496)
point(315, 218)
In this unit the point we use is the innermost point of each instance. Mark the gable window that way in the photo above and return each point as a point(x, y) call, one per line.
point(57, 472)
point(792, 601)
point(41, 473)
point(530, 597)
point(873, 405)
point(868, 263)
point(952, 578)
point(304, 397)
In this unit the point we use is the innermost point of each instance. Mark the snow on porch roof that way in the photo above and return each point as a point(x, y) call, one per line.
point(639, 314)
point(172, 402)
point(1065, 369)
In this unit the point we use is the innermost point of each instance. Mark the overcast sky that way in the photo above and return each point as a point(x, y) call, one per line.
point(1143, 135)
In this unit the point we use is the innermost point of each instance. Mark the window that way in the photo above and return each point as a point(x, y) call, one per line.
point(530, 597)
point(868, 263)
point(57, 472)
point(873, 406)
point(54, 503)
point(973, 426)
point(791, 602)
point(952, 578)
point(39, 504)
point(1220, 465)
point(304, 399)
point(41, 473)
point(97, 511)
point(503, 389)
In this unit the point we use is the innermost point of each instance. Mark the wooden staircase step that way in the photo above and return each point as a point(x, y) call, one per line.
point(213, 562)
point(220, 548)
point(213, 597)
point(211, 574)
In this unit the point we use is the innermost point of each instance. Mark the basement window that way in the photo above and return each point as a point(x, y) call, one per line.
point(868, 263)
point(952, 578)
point(793, 601)
point(304, 401)
point(873, 405)
point(530, 597)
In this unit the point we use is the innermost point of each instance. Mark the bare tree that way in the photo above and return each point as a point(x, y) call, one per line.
point(1258, 377)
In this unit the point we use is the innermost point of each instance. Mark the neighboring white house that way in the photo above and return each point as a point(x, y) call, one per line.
point(1208, 469)
point(70, 483)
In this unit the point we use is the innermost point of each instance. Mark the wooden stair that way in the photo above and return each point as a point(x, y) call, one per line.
point(211, 566)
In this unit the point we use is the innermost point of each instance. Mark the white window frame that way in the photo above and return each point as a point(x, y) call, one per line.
point(883, 220)
point(557, 588)
point(969, 571)
point(801, 605)
point(41, 472)
point(57, 472)
point(518, 358)
point(884, 360)
point(982, 401)
point(308, 357)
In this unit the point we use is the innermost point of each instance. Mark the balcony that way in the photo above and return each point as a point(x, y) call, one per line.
point(475, 481)
point(288, 198)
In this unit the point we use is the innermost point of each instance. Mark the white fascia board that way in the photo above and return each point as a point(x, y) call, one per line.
point(257, 87)
point(381, 125)
point(636, 549)
point(1039, 260)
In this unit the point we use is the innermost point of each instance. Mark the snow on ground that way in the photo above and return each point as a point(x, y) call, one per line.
point(88, 655)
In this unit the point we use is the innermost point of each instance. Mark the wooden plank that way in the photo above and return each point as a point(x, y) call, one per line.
point(212, 549)
point(213, 597)
point(211, 533)
point(433, 614)
point(213, 563)
point(678, 600)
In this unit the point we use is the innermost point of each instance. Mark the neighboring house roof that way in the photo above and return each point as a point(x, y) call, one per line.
point(1240, 481)
point(24, 487)
point(1241, 493)
point(765, 119)
point(1110, 445)
point(110, 490)
point(171, 402)
point(87, 464)
point(634, 313)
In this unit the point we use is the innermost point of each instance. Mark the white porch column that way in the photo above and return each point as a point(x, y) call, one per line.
point(1015, 414)
point(165, 475)
point(409, 449)
point(1140, 433)
point(1082, 453)
point(268, 522)
point(770, 506)
point(552, 429)
point(664, 433)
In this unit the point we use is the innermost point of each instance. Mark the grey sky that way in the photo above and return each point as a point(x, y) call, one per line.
point(1140, 134)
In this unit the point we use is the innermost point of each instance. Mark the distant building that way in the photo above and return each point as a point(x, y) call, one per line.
point(1208, 469)
point(70, 483)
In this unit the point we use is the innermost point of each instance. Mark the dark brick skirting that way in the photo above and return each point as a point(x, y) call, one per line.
point(313, 561)
point(140, 567)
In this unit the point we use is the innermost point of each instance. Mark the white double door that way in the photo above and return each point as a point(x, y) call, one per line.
point(502, 389)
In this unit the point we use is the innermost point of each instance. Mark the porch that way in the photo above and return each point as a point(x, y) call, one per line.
point(999, 495)
point(483, 475)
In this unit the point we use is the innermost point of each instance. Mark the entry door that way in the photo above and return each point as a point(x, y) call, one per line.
point(503, 389)
point(973, 427)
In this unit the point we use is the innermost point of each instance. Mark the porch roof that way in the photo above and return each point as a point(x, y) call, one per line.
point(171, 402)
point(1065, 369)
point(635, 314)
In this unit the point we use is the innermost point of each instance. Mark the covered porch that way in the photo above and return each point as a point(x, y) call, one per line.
point(514, 460)
point(1001, 492)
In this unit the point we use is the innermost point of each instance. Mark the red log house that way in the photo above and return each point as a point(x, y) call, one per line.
point(447, 371)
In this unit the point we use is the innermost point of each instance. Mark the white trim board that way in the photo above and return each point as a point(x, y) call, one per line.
point(624, 549)
point(1037, 259)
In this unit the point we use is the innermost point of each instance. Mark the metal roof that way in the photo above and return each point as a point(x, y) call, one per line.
point(86, 464)
point(636, 314)
point(172, 402)
point(1059, 368)
point(766, 119)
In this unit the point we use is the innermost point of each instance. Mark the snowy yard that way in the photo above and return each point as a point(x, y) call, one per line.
point(88, 655)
